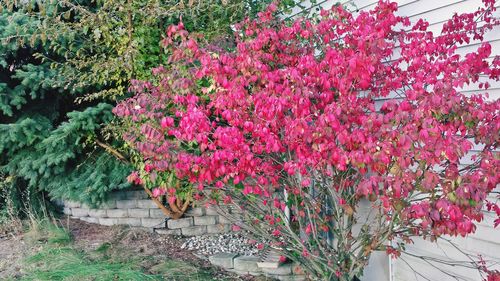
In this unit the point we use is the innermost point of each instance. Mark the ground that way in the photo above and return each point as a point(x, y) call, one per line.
point(78, 250)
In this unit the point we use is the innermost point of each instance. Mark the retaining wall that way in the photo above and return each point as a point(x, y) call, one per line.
point(133, 208)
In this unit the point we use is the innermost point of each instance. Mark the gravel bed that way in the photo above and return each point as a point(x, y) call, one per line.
point(208, 245)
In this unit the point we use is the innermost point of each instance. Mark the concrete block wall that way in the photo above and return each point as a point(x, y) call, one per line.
point(134, 208)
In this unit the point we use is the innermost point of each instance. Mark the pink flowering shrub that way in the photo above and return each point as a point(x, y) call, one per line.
point(302, 125)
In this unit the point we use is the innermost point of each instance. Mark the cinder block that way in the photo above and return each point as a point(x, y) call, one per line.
point(164, 231)
point(150, 222)
point(211, 211)
point(117, 213)
point(194, 230)
point(137, 194)
point(224, 260)
point(218, 228)
point(98, 213)
point(108, 221)
point(283, 269)
point(246, 263)
point(79, 212)
point(110, 204)
point(130, 221)
point(156, 213)
point(196, 212)
point(146, 204)
point(90, 219)
point(138, 213)
point(126, 204)
point(72, 204)
point(205, 220)
point(180, 223)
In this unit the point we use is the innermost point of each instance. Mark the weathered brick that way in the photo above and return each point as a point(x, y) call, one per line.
point(117, 213)
point(72, 204)
point(246, 263)
point(218, 228)
point(98, 213)
point(156, 213)
point(164, 231)
point(205, 220)
point(138, 213)
point(110, 204)
point(79, 212)
point(90, 219)
point(196, 212)
point(130, 221)
point(283, 269)
point(108, 221)
point(224, 260)
point(137, 194)
point(126, 204)
point(211, 211)
point(146, 204)
point(150, 222)
point(194, 230)
point(180, 223)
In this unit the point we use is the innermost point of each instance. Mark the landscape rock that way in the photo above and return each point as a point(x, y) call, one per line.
point(224, 260)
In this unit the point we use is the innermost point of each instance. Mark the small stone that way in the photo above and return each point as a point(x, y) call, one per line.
point(224, 260)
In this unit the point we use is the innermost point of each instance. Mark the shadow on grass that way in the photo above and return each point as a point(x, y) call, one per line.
point(59, 259)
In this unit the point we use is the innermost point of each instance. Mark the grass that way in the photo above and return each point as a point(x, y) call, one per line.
point(59, 259)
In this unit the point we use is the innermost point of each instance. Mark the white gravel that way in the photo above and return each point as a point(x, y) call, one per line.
point(208, 245)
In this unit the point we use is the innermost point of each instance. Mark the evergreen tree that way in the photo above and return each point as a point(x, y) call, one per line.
point(64, 65)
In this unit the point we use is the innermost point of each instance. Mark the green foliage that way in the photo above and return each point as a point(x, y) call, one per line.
point(63, 65)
